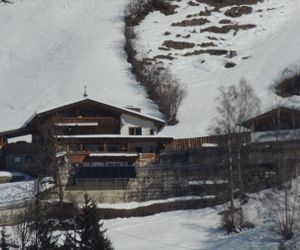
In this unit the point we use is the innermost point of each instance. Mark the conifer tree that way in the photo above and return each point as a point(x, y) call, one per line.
point(70, 242)
point(91, 233)
point(42, 230)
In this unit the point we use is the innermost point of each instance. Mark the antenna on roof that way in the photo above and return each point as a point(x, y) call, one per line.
point(85, 94)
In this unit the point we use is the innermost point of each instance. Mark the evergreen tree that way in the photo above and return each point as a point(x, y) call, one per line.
point(70, 242)
point(42, 230)
point(91, 233)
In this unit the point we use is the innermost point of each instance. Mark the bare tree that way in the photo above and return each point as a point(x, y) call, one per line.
point(54, 159)
point(22, 230)
point(235, 104)
point(283, 204)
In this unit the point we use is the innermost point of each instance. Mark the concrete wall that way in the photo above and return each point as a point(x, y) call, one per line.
point(199, 172)
point(152, 183)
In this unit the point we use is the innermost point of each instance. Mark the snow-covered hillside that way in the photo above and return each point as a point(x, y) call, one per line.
point(51, 49)
point(190, 229)
point(263, 52)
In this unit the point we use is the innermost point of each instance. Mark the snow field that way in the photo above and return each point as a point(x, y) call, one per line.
point(51, 49)
point(263, 55)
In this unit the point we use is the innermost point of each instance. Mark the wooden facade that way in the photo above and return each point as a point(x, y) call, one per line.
point(92, 133)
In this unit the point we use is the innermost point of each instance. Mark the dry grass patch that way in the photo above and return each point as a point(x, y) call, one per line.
point(178, 45)
point(227, 28)
point(238, 11)
point(213, 52)
point(207, 12)
point(208, 44)
point(191, 22)
point(191, 3)
point(167, 57)
point(225, 21)
point(224, 3)
point(229, 65)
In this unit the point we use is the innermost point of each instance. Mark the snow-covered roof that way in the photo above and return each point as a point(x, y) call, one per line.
point(122, 110)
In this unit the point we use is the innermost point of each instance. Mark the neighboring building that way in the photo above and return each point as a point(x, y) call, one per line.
point(279, 124)
point(102, 141)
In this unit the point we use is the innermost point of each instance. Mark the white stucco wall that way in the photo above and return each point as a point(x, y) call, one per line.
point(128, 121)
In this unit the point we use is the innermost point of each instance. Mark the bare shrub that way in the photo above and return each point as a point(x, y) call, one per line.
point(288, 86)
point(165, 91)
point(137, 10)
point(230, 220)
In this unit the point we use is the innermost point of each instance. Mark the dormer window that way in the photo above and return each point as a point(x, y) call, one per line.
point(135, 131)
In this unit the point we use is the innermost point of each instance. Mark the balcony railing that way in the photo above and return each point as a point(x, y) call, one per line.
point(80, 121)
point(272, 136)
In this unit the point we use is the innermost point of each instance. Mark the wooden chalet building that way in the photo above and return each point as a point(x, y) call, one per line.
point(102, 141)
point(278, 124)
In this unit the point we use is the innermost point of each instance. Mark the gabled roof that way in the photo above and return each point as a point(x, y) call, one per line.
point(268, 114)
point(105, 106)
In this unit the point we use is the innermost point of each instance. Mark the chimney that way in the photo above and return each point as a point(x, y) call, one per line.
point(131, 107)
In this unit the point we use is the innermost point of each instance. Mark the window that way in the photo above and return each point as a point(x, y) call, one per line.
point(139, 149)
point(74, 147)
point(113, 148)
point(90, 147)
point(29, 158)
point(135, 131)
point(115, 164)
point(18, 159)
point(151, 131)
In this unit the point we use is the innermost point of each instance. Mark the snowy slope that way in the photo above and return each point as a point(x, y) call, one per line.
point(51, 49)
point(190, 229)
point(263, 54)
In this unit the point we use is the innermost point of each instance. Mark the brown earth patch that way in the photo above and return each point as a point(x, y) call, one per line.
point(191, 3)
point(191, 15)
point(225, 21)
point(229, 65)
point(191, 22)
point(224, 3)
point(212, 38)
point(213, 52)
point(246, 57)
point(167, 33)
point(178, 45)
point(209, 44)
point(207, 12)
point(186, 36)
point(168, 57)
point(163, 48)
point(238, 11)
point(227, 28)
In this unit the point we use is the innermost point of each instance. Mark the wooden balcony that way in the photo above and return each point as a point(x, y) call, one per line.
point(80, 121)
